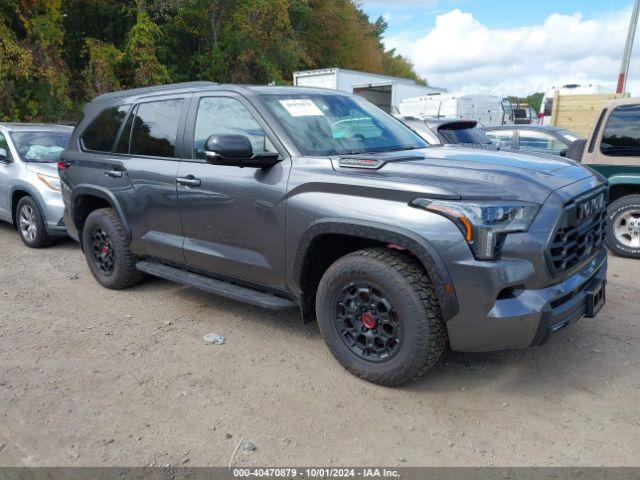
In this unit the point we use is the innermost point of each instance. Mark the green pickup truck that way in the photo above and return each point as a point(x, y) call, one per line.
point(613, 149)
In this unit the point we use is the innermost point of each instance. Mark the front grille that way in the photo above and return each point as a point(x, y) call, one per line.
point(580, 233)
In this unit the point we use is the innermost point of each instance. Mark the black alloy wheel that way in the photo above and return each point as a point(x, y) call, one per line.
point(367, 322)
point(102, 251)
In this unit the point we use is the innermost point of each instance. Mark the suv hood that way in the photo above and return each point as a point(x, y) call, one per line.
point(48, 169)
point(476, 174)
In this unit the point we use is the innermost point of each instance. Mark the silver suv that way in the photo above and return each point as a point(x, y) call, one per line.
point(30, 195)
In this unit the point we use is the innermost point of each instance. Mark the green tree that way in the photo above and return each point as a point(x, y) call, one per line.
point(398, 66)
point(100, 74)
point(15, 64)
point(141, 63)
point(36, 80)
point(55, 54)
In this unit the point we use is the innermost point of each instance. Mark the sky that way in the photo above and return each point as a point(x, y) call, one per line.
point(511, 47)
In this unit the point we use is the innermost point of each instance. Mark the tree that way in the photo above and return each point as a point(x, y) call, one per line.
point(36, 86)
point(56, 54)
point(101, 72)
point(15, 64)
point(141, 62)
point(398, 66)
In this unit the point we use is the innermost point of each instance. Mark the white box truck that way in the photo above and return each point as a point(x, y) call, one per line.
point(487, 110)
point(382, 90)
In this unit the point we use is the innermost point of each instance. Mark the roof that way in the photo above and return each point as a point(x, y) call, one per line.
point(15, 127)
point(524, 126)
point(168, 88)
point(126, 95)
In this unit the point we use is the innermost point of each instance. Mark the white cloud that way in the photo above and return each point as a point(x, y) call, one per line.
point(462, 54)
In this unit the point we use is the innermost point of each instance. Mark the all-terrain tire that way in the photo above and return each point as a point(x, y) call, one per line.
point(104, 225)
point(623, 215)
point(415, 305)
point(30, 224)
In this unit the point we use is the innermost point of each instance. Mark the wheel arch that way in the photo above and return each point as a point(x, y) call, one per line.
point(24, 190)
point(88, 198)
point(307, 271)
point(622, 186)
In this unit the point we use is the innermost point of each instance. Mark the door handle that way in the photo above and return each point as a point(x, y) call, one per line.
point(188, 181)
point(114, 173)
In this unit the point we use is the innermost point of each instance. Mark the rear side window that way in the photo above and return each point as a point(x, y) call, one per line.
point(621, 136)
point(100, 135)
point(453, 135)
point(540, 142)
point(502, 138)
point(155, 128)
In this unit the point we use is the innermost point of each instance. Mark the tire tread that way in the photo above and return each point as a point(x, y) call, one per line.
point(129, 275)
point(432, 330)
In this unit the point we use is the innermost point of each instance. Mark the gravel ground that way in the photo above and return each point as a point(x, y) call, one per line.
point(90, 376)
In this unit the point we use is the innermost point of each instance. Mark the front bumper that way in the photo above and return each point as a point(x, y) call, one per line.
point(528, 316)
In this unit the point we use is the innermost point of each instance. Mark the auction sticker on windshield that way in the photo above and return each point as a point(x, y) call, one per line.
point(301, 108)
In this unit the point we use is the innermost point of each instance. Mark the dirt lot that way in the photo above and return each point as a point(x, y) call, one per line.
point(90, 376)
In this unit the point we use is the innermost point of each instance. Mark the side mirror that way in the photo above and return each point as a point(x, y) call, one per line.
point(563, 153)
point(4, 155)
point(236, 150)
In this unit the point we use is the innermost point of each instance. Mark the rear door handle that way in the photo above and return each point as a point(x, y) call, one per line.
point(114, 173)
point(188, 181)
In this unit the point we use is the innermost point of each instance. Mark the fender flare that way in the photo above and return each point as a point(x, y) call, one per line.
point(419, 246)
point(105, 194)
point(32, 192)
point(624, 179)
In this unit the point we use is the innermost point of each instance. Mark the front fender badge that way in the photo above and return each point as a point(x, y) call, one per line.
point(369, 163)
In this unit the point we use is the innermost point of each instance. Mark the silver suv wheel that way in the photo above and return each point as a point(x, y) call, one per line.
point(28, 225)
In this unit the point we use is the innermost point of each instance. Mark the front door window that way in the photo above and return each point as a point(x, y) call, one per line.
point(222, 115)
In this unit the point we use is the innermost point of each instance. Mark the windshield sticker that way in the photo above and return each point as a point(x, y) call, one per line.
point(301, 108)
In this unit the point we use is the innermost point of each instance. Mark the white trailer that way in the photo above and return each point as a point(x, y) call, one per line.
point(487, 110)
point(382, 90)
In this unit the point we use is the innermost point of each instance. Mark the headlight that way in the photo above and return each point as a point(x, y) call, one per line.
point(484, 225)
point(52, 182)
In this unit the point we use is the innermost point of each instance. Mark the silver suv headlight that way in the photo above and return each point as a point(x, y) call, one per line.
point(52, 182)
point(484, 225)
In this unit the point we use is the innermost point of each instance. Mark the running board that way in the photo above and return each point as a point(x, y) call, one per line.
point(211, 285)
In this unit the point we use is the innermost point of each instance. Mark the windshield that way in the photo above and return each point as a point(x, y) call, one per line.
point(40, 146)
point(339, 125)
point(456, 135)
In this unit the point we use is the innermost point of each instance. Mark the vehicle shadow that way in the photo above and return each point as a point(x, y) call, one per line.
point(553, 365)
point(288, 320)
point(65, 243)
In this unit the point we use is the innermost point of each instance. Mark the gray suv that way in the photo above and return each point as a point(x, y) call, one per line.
point(30, 195)
point(316, 199)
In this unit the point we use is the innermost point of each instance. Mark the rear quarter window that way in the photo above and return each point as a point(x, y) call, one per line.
point(621, 136)
point(101, 133)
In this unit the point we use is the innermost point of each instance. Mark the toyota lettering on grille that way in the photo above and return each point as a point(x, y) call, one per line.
point(591, 206)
